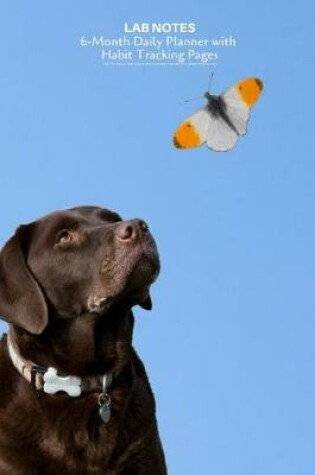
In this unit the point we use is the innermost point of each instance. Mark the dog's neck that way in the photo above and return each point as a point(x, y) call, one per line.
point(85, 345)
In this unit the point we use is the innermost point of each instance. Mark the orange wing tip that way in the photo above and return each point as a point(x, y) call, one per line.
point(187, 136)
point(250, 90)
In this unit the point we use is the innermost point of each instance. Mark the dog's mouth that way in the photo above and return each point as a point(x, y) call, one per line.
point(129, 279)
point(145, 269)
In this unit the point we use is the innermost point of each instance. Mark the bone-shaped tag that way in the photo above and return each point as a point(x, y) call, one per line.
point(68, 384)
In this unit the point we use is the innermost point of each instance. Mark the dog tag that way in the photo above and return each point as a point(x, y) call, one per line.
point(104, 409)
point(105, 413)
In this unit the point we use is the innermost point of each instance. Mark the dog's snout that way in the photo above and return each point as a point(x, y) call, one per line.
point(131, 230)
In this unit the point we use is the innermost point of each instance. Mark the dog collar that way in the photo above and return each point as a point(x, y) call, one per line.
point(49, 381)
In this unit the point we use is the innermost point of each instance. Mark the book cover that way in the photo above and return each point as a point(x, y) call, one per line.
point(104, 104)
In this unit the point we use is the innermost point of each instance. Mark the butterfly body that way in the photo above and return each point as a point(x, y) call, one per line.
point(222, 120)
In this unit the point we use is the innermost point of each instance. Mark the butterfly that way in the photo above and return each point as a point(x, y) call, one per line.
point(224, 118)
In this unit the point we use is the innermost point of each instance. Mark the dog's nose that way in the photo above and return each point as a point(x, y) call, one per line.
point(131, 230)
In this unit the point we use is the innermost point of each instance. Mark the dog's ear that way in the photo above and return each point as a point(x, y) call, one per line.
point(147, 303)
point(22, 302)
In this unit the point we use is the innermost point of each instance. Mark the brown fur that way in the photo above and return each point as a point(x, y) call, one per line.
point(48, 271)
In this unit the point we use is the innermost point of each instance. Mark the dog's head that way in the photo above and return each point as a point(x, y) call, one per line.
point(74, 262)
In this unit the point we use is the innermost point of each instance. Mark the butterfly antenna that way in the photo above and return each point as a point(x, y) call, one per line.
point(193, 99)
point(210, 81)
point(209, 88)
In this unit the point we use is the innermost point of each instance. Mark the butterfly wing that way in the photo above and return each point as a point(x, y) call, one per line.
point(221, 137)
point(193, 132)
point(239, 99)
point(203, 126)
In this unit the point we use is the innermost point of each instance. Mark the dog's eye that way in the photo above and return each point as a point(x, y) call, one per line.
point(63, 237)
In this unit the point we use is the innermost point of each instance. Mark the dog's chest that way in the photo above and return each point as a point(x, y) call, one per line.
point(59, 438)
point(77, 449)
point(76, 437)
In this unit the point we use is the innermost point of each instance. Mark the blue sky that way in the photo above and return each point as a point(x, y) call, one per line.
point(229, 345)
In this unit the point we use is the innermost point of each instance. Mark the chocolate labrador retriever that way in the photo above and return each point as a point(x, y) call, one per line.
point(74, 395)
